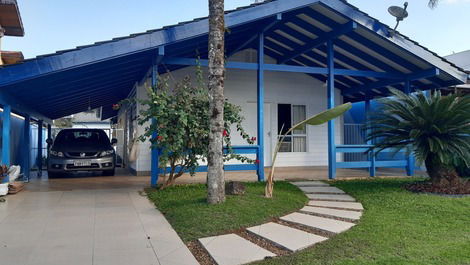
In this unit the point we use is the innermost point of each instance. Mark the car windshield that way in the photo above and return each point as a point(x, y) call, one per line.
point(95, 138)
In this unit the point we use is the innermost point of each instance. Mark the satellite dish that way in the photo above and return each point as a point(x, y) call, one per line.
point(399, 13)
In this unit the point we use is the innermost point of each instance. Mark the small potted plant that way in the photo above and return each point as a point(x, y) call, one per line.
point(3, 177)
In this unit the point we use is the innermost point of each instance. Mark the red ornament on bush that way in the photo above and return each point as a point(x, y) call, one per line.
point(159, 138)
point(225, 133)
point(257, 161)
point(253, 139)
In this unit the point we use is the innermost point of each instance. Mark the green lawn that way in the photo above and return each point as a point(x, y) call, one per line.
point(398, 227)
point(186, 209)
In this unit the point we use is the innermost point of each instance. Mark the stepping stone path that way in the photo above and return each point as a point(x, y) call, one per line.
point(353, 215)
point(330, 197)
point(326, 205)
point(333, 190)
point(287, 237)
point(232, 250)
point(342, 205)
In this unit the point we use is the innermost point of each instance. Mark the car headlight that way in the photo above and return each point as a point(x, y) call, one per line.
point(56, 153)
point(107, 153)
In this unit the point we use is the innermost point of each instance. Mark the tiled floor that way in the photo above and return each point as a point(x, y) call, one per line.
point(102, 227)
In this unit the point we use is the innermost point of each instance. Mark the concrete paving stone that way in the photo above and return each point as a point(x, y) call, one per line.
point(144, 256)
point(353, 215)
point(321, 190)
point(287, 237)
point(331, 197)
point(312, 183)
point(233, 250)
point(181, 256)
point(344, 205)
point(322, 223)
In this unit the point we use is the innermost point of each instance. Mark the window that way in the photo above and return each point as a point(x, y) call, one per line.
point(287, 116)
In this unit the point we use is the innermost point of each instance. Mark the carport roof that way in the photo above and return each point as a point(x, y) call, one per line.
point(102, 74)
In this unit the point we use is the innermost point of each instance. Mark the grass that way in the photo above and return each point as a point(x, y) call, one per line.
point(186, 209)
point(398, 227)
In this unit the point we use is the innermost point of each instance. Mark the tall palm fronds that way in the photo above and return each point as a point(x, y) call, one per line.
point(435, 128)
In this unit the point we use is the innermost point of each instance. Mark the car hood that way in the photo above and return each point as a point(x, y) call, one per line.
point(80, 148)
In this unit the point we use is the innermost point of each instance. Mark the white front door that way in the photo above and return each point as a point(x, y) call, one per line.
point(251, 126)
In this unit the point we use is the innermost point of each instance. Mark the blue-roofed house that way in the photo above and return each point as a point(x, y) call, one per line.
point(286, 60)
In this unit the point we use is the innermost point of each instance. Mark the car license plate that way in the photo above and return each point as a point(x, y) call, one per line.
point(85, 163)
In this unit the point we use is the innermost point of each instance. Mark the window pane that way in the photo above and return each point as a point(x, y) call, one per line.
point(286, 145)
point(298, 115)
point(300, 144)
point(283, 118)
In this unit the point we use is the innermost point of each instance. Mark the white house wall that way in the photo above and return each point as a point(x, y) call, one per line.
point(280, 88)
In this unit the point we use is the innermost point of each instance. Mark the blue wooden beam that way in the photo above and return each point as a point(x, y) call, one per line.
point(330, 105)
point(341, 30)
point(260, 107)
point(26, 147)
point(410, 159)
point(154, 168)
point(383, 83)
point(285, 68)
point(20, 107)
point(371, 154)
point(39, 158)
point(255, 36)
point(6, 132)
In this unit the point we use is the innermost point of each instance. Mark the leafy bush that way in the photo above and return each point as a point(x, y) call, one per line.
point(182, 115)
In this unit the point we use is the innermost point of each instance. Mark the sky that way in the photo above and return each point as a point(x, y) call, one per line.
point(52, 25)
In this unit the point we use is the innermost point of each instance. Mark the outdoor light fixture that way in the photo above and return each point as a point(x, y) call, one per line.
point(399, 13)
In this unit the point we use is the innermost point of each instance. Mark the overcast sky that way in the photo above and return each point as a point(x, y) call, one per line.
point(52, 25)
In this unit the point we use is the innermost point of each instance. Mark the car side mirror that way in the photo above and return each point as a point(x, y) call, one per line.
point(49, 141)
point(114, 141)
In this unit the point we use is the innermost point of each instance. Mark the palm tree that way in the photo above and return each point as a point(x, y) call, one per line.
point(433, 3)
point(435, 128)
point(216, 49)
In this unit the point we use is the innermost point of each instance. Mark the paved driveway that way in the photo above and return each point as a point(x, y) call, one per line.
point(99, 227)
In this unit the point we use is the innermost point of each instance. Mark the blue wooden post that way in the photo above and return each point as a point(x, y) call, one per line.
point(155, 171)
point(371, 153)
point(410, 165)
point(6, 136)
point(260, 107)
point(331, 104)
point(39, 158)
point(27, 147)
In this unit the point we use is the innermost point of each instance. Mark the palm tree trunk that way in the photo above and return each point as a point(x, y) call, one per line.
point(439, 174)
point(215, 172)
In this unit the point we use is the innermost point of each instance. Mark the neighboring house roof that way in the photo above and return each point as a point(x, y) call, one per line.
point(10, 18)
point(11, 57)
point(461, 59)
point(108, 70)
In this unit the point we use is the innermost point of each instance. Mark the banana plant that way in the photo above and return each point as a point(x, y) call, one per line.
point(318, 119)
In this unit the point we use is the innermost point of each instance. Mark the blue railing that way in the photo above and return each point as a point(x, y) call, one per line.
point(240, 150)
point(372, 163)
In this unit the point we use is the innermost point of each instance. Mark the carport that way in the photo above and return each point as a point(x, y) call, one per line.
point(329, 40)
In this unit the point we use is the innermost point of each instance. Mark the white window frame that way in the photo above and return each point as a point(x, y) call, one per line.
point(295, 134)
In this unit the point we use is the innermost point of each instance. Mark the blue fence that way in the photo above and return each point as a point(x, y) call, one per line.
point(358, 154)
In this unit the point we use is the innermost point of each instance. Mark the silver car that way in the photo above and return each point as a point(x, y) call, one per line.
point(81, 150)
